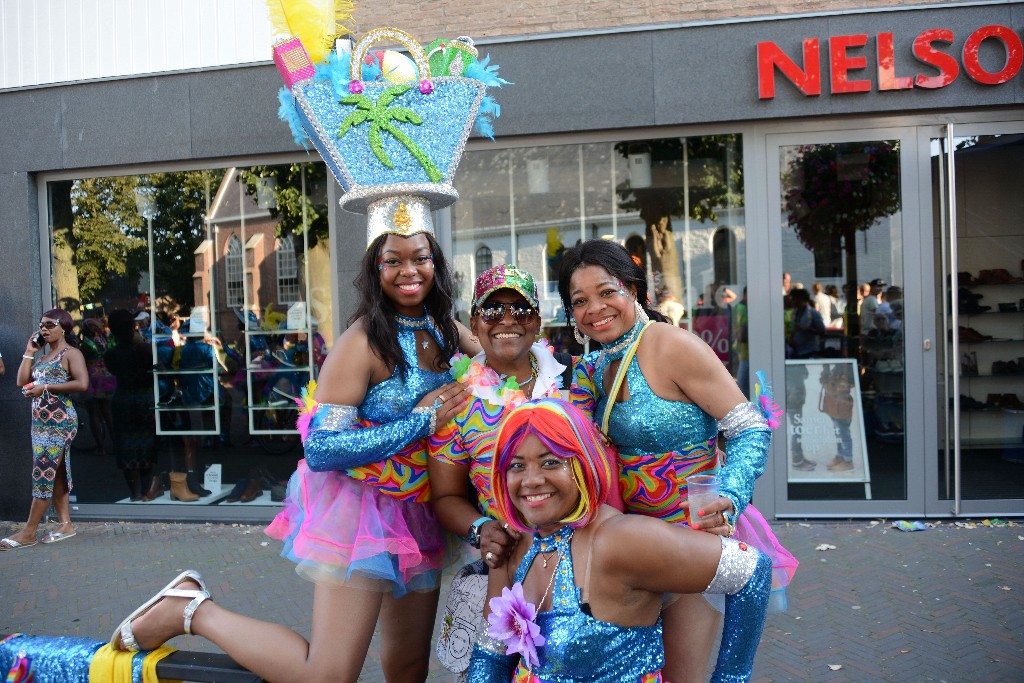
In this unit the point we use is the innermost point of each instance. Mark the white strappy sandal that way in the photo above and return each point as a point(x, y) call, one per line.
point(124, 639)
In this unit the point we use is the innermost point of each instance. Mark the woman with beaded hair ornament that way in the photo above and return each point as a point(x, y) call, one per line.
point(663, 411)
point(581, 600)
point(357, 519)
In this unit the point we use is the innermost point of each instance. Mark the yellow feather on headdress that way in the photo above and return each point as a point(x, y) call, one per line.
point(315, 22)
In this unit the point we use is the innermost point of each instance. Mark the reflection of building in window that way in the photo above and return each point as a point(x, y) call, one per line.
point(233, 271)
point(288, 291)
point(723, 246)
point(483, 259)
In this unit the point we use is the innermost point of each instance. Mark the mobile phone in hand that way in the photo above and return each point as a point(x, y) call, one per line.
point(38, 340)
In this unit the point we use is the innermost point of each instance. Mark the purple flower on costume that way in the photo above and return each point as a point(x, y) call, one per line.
point(513, 621)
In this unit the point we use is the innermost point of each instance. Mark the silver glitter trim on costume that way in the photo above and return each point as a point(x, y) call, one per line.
point(491, 644)
point(336, 418)
point(742, 417)
point(403, 215)
point(359, 199)
point(735, 568)
point(432, 427)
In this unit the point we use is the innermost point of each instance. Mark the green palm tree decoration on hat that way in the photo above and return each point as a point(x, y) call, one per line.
point(382, 118)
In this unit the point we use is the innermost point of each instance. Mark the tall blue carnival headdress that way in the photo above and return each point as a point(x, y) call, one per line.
point(391, 129)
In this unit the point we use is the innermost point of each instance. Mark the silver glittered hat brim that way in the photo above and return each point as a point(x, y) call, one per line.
point(447, 119)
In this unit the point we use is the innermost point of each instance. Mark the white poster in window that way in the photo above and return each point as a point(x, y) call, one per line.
point(825, 422)
point(199, 320)
point(297, 316)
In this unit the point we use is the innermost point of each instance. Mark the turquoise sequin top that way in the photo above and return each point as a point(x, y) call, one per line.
point(580, 648)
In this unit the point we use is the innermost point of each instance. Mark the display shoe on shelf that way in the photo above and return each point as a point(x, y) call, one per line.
point(179, 488)
point(254, 491)
point(971, 307)
point(195, 484)
point(1007, 307)
point(965, 278)
point(964, 294)
point(240, 487)
point(156, 488)
point(1011, 402)
point(969, 334)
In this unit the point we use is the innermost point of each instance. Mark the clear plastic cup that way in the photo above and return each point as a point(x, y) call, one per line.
point(701, 490)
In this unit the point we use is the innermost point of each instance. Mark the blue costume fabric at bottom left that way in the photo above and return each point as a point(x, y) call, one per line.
point(48, 659)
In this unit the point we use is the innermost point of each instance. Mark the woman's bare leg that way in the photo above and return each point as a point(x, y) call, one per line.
point(62, 499)
point(690, 626)
point(343, 623)
point(406, 626)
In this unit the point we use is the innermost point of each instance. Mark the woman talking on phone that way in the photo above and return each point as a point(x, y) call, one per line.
point(49, 382)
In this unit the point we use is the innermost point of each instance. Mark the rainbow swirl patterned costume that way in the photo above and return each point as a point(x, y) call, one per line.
point(468, 440)
point(356, 507)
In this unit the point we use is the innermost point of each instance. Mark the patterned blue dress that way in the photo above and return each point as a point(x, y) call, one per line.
point(54, 425)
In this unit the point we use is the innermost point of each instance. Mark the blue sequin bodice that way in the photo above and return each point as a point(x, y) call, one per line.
point(583, 649)
point(394, 397)
point(646, 423)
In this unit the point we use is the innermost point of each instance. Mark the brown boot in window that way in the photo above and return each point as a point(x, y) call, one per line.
point(254, 491)
point(156, 488)
point(1011, 402)
point(179, 488)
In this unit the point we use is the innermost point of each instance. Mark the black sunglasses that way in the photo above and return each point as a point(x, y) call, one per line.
point(494, 313)
point(48, 325)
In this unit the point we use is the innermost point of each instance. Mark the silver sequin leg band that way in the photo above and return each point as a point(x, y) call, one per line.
point(490, 644)
point(735, 568)
point(742, 417)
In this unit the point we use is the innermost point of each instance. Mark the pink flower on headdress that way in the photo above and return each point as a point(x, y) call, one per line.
point(513, 621)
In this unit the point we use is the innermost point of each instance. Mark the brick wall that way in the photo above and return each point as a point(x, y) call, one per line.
point(505, 18)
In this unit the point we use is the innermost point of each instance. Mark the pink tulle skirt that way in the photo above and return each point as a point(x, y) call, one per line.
point(338, 530)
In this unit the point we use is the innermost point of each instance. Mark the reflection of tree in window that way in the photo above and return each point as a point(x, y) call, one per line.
point(712, 166)
point(233, 271)
point(723, 248)
point(287, 272)
point(483, 259)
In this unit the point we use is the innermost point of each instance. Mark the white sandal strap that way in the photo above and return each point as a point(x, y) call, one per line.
point(128, 642)
point(190, 609)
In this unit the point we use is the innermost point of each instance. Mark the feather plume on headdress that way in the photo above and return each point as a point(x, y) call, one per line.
point(766, 401)
point(307, 408)
point(315, 22)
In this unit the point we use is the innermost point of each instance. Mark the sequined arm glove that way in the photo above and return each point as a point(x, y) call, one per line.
point(335, 444)
point(747, 438)
point(745, 577)
point(489, 663)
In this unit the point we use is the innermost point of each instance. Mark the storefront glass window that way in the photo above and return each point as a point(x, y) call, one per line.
point(985, 291)
point(842, 256)
point(675, 203)
point(203, 304)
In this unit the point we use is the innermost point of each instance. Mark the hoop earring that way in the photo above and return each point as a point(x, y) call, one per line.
point(641, 314)
point(580, 337)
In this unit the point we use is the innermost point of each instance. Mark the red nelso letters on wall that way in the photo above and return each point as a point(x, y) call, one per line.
point(846, 59)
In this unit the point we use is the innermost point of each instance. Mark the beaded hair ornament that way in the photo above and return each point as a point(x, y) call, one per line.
point(390, 127)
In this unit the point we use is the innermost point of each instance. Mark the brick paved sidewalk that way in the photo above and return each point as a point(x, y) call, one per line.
point(946, 604)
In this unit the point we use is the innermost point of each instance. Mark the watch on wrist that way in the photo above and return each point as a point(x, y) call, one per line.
point(474, 531)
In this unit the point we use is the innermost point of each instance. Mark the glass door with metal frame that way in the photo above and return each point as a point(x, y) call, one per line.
point(838, 209)
point(978, 239)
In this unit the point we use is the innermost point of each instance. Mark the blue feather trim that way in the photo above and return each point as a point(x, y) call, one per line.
point(287, 112)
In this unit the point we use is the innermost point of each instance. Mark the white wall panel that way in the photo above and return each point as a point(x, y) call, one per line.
point(58, 41)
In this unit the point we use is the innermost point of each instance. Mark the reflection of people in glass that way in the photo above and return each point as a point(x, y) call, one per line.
point(101, 382)
point(58, 374)
point(740, 346)
point(600, 620)
point(131, 361)
point(837, 402)
point(807, 327)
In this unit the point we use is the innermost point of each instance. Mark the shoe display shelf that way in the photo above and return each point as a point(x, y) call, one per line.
point(991, 334)
point(165, 499)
